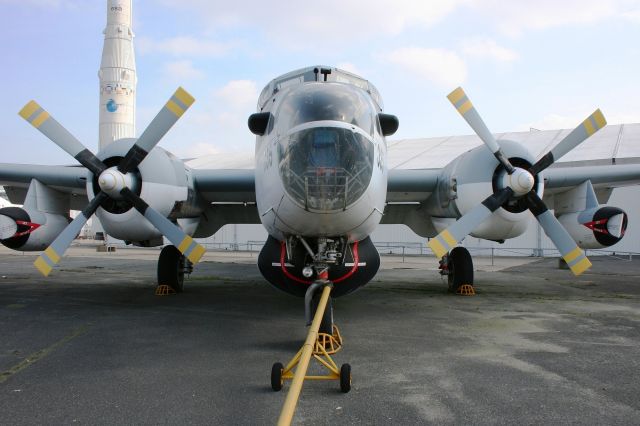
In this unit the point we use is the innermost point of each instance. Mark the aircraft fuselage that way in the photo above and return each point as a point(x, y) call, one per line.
point(321, 162)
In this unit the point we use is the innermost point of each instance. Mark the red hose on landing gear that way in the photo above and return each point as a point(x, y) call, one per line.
point(354, 269)
point(283, 252)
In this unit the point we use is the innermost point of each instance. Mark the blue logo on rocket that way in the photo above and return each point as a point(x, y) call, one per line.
point(112, 106)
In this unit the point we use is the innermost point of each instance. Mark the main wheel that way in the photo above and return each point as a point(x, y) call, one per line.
point(276, 376)
point(326, 325)
point(460, 268)
point(345, 378)
point(171, 268)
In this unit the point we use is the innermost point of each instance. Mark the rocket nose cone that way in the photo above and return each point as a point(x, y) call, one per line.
point(119, 11)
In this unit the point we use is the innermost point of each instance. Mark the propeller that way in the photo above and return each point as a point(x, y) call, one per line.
point(114, 182)
point(520, 186)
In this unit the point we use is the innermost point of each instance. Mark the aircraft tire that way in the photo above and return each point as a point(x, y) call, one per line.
point(276, 376)
point(345, 378)
point(171, 268)
point(460, 268)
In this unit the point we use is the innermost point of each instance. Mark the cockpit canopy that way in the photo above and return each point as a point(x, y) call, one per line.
point(325, 144)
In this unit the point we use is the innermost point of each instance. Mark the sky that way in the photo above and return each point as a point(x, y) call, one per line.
point(545, 64)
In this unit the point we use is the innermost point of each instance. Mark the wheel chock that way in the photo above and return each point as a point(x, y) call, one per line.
point(164, 290)
point(466, 290)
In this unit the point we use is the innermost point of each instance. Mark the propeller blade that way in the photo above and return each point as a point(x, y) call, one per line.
point(53, 254)
point(449, 238)
point(461, 102)
point(187, 246)
point(588, 127)
point(159, 126)
point(571, 253)
point(48, 126)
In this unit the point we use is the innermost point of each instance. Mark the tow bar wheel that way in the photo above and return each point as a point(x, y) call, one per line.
point(345, 378)
point(276, 376)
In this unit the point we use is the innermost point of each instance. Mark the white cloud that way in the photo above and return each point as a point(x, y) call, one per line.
point(41, 3)
point(334, 20)
point(487, 48)
point(217, 125)
point(183, 46)
point(555, 121)
point(440, 66)
point(239, 94)
point(619, 117)
point(182, 70)
point(633, 15)
point(200, 149)
point(570, 121)
point(517, 16)
point(348, 66)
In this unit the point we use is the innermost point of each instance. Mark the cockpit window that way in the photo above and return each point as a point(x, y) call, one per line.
point(326, 101)
point(326, 168)
point(324, 148)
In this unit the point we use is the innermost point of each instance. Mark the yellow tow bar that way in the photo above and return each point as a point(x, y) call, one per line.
point(319, 345)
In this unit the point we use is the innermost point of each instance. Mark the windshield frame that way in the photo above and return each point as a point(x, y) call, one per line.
point(320, 102)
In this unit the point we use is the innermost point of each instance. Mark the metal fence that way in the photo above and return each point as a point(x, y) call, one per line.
point(419, 249)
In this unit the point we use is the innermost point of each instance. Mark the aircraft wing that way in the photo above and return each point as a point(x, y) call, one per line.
point(411, 185)
point(71, 180)
point(225, 185)
point(408, 190)
point(564, 177)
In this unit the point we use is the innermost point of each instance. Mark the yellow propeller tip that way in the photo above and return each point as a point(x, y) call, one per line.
point(196, 254)
point(184, 97)
point(456, 95)
point(27, 111)
point(598, 116)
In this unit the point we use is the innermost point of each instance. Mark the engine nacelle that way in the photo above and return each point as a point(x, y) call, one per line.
point(594, 228)
point(162, 181)
point(29, 230)
point(472, 177)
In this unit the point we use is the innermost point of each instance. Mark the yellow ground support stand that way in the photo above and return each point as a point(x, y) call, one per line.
point(325, 346)
point(320, 346)
point(466, 290)
point(164, 290)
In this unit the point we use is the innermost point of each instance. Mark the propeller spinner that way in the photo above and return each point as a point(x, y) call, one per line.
point(115, 182)
point(518, 183)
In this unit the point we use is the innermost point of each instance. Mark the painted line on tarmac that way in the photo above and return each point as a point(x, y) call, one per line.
point(42, 353)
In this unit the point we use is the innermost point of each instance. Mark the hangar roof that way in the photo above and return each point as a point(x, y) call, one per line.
point(617, 143)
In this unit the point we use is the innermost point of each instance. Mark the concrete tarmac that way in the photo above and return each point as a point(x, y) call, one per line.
point(92, 344)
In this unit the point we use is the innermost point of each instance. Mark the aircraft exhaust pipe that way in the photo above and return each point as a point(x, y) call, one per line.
point(8, 227)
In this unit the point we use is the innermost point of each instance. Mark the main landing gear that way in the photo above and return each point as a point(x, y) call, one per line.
point(457, 265)
point(172, 266)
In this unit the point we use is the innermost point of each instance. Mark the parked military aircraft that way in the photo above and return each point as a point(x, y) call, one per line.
point(320, 187)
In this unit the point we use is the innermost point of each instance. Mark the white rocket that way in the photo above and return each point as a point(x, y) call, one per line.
point(117, 75)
